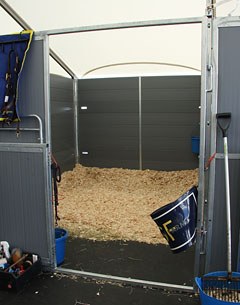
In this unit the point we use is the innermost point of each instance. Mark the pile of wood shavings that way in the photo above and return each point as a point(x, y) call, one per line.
point(115, 204)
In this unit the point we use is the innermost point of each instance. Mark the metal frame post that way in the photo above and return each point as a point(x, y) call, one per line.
point(211, 138)
point(48, 141)
point(205, 133)
point(76, 117)
point(140, 121)
point(208, 136)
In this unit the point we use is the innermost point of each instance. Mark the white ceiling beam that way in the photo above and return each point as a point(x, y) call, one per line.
point(123, 25)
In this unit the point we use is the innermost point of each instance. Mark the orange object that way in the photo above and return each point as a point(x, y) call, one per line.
point(16, 254)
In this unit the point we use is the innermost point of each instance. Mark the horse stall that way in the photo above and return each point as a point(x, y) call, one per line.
point(125, 148)
point(135, 155)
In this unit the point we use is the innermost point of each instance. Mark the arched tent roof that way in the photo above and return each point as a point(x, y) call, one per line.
point(136, 51)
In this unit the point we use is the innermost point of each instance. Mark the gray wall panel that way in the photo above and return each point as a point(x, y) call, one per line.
point(170, 117)
point(31, 85)
point(23, 218)
point(108, 128)
point(107, 120)
point(165, 82)
point(110, 124)
point(228, 101)
point(111, 105)
point(114, 131)
point(170, 94)
point(109, 96)
point(62, 121)
point(108, 83)
point(228, 82)
point(219, 237)
point(172, 106)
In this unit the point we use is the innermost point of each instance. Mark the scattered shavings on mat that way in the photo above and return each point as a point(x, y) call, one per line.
point(115, 203)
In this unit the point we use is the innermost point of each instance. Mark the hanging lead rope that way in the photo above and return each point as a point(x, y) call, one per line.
point(56, 178)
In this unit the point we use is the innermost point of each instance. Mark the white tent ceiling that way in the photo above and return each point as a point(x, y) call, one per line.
point(138, 51)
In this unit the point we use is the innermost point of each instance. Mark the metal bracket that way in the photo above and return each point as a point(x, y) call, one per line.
point(210, 69)
point(211, 9)
point(203, 233)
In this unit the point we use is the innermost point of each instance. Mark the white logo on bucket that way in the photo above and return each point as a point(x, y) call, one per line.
point(179, 226)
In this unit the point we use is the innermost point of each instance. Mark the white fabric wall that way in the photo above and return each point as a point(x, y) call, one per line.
point(145, 51)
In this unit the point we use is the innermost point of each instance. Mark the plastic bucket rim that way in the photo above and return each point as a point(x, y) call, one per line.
point(176, 203)
point(62, 237)
point(198, 281)
point(175, 206)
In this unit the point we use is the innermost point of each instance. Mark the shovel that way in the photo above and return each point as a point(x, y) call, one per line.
point(224, 285)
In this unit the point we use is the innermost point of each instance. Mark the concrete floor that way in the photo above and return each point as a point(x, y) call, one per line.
point(127, 259)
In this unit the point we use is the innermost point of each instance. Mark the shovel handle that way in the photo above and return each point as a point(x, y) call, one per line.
point(223, 121)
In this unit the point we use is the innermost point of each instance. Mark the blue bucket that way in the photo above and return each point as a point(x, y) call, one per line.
point(195, 145)
point(177, 221)
point(60, 242)
point(210, 300)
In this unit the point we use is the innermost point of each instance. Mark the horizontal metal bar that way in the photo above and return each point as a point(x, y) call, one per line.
point(126, 280)
point(227, 21)
point(123, 25)
point(22, 147)
point(230, 156)
point(21, 129)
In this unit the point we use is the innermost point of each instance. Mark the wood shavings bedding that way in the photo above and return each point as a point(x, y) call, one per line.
point(115, 203)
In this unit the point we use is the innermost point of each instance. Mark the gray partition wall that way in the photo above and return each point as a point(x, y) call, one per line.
point(26, 219)
point(108, 122)
point(170, 117)
point(220, 94)
point(62, 121)
point(139, 123)
point(226, 97)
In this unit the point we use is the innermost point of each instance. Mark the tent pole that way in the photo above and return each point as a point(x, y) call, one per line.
point(11, 12)
point(75, 105)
